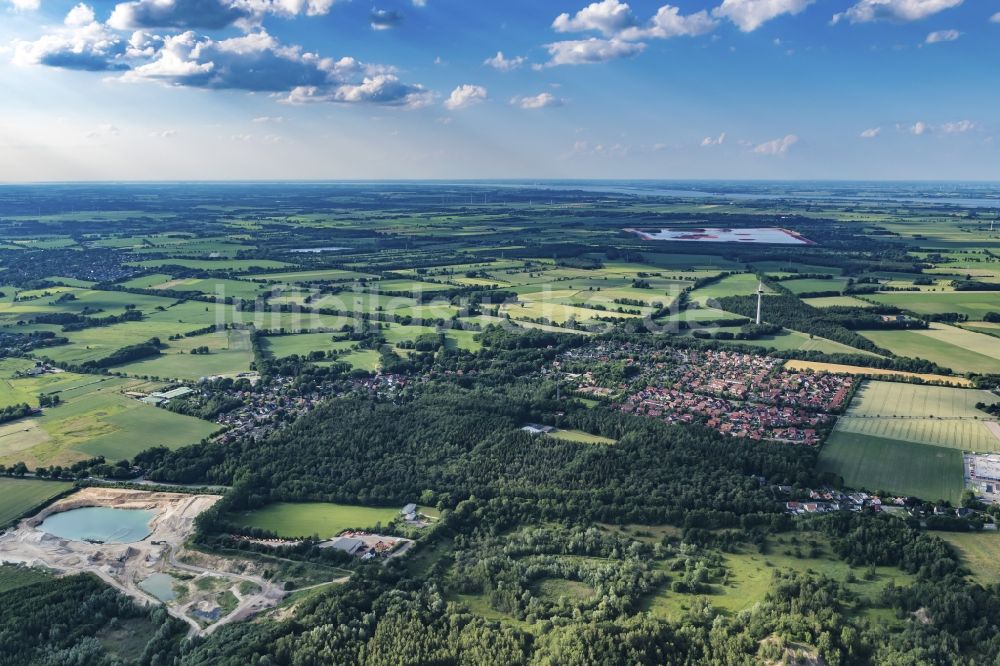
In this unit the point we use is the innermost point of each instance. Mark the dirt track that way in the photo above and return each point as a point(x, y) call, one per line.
point(124, 566)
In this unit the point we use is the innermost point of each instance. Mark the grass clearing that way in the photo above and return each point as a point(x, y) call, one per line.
point(978, 551)
point(12, 577)
point(580, 437)
point(304, 519)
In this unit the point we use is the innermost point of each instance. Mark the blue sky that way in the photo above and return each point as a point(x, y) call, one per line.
point(348, 89)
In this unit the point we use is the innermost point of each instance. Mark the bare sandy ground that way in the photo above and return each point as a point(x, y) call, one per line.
point(124, 566)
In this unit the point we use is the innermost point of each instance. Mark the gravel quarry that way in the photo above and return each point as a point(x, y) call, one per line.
point(204, 596)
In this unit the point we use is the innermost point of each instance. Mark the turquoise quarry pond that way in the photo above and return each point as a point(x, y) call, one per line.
point(100, 523)
point(161, 586)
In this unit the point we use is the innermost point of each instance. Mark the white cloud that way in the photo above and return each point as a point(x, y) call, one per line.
point(995, 18)
point(590, 51)
point(503, 63)
point(716, 141)
point(286, 8)
point(748, 15)
point(419, 3)
point(607, 16)
point(258, 62)
point(540, 101)
point(957, 127)
point(918, 128)
point(871, 132)
point(614, 18)
point(177, 14)
point(776, 146)
point(866, 11)
point(80, 16)
point(26, 5)
point(82, 44)
point(668, 23)
point(381, 89)
point(939, 36)
point(164, 134)
point(465, 96)
point(260, 120)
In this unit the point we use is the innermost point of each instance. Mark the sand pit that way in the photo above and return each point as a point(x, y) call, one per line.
point(226, 596)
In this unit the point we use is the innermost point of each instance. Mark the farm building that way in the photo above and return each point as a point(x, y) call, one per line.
point(349, 545)
point(536, 429)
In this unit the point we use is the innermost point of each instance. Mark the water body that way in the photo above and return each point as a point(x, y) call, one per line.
point(161, 586)
point(713, 235)
point(842, 192)
point(100, 523)
point(316, 250)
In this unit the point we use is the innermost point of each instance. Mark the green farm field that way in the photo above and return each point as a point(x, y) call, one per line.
point(741, 284)
point(892, 399)
point(973, 304)
point(906, 468)
point(962, 434)
point(230, 354)
point(95, 418)
point(809, 285)
point(837, 301)
point(18, 496)
point(291, 520)
point(282, 346)
point(948, 346)
point(236, 265)
point(296, 277)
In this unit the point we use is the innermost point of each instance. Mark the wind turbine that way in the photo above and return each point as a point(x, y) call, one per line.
point(760, 300)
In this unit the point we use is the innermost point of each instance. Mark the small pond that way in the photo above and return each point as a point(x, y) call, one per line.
point(100, 524)
point(161, 586)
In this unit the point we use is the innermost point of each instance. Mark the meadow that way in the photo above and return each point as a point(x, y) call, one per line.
point(292, 520)
point(19, 496)
point(978, 552)
point(750, 576)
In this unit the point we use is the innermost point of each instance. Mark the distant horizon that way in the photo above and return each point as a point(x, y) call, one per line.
point(512, 180)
